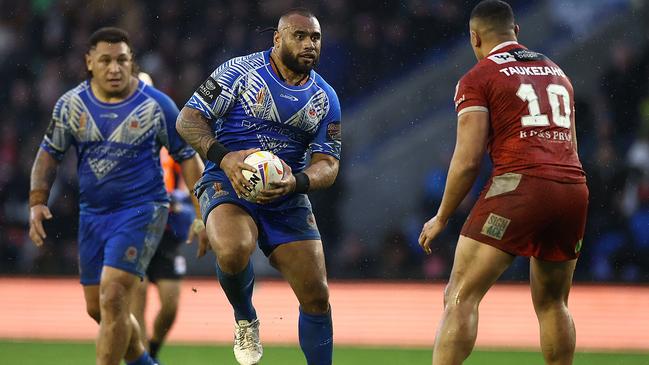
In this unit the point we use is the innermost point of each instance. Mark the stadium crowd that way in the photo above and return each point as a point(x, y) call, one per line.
point(365, 44)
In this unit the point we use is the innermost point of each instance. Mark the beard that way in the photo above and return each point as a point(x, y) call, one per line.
point(293, 63)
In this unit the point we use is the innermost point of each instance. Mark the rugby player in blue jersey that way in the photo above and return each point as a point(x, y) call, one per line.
point(117, 125)
point(270, 100)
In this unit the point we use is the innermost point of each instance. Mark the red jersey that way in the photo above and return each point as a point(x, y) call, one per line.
point(530, 102)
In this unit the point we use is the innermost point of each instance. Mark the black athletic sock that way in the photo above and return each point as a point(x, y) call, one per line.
point(154, 347)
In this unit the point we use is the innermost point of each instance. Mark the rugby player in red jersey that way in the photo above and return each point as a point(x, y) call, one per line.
point(519, 106)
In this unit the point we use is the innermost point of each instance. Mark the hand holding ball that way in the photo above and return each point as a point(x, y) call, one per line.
point(269, 170)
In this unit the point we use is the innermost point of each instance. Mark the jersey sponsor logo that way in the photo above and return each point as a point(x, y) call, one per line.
point(334, 132)
point(289, 97)
point(495, 226)
point(525, 55)
point(109, 115)
point(130, 255)
point(460, 101)
point(561, 136)
point(209, 90)
point(501, 58)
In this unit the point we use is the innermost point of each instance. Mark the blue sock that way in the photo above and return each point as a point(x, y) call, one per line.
point(238, 289)
point(316, 338)
point(145, 359)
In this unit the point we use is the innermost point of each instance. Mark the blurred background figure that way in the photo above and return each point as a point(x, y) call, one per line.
point(168, 265)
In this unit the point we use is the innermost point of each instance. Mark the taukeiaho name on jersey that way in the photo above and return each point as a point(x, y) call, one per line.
point(530, 102)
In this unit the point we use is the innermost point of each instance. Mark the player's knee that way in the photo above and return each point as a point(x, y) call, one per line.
point(113, 297)
point(545, 302)
point(168, 315)
point(168, 309)
point(232, 260)
point(458, 299)
point(315, 300)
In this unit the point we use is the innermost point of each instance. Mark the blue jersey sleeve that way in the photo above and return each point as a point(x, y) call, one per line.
point(168, 136)
point(216, 96)
point(328, 136)
point(58, 137)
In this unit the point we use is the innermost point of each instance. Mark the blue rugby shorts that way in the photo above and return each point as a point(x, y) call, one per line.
point(125, 239)
point(285, 220)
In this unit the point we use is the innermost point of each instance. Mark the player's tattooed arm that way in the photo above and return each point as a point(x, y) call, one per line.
point(42, 177)
point(196, 130)
point(43, 171)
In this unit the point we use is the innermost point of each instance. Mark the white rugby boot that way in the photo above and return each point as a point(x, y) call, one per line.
point(247, 347)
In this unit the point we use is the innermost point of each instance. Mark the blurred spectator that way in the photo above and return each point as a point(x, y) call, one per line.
point(366, 44)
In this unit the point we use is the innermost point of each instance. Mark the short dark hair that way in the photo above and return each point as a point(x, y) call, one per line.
point(496, 13)
point(110, 35)
point(299, 11)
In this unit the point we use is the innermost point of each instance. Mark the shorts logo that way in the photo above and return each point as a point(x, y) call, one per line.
point(310, 220)
point(131, 254)
point(495, 226)
point(218, 190)
point(578, 246)
point(180, 265)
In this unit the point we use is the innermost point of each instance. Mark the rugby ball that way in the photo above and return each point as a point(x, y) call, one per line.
point(269, 170)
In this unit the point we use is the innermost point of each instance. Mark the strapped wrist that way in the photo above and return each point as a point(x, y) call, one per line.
point(302, 183)
point(216, 152)
point(38, 196)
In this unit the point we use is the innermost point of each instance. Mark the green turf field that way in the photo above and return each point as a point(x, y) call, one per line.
point(65, 353)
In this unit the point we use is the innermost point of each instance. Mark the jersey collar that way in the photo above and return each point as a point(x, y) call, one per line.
point(502, 45)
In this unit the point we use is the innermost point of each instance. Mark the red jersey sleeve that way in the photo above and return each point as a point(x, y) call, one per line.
point(469, 95)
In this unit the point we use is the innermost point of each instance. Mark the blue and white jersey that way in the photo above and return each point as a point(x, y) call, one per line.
point(117, 144)
point(253, 108)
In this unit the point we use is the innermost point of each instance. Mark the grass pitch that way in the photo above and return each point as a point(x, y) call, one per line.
point(71, 353)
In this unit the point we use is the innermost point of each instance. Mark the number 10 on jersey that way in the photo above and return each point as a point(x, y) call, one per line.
point(535, 119)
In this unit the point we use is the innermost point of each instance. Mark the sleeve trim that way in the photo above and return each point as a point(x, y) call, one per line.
point(470, 109)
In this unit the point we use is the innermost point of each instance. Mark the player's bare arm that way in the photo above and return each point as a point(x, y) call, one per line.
point(42, 177)
point(472, 134)
point(196, 130)
point(191, 170)
point(320, 174)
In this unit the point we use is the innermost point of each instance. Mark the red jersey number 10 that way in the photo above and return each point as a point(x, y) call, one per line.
point(556, 94)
